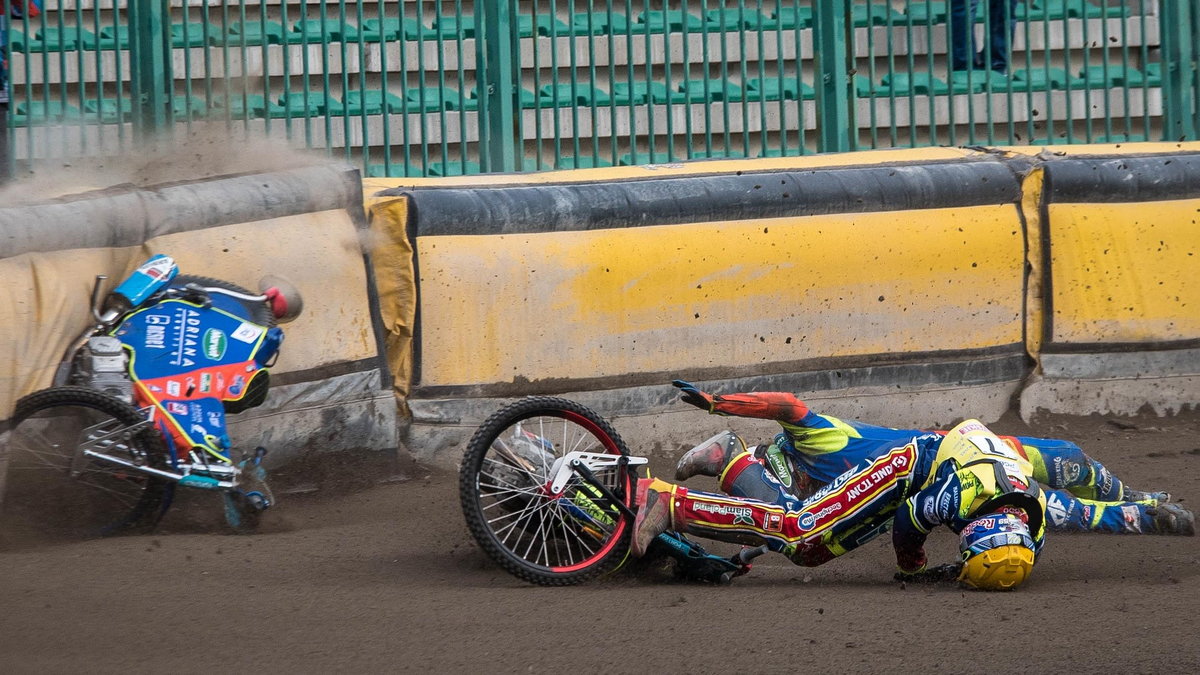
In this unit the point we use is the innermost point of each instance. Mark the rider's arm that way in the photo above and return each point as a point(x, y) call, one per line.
point(771, 405)
point(919, 514)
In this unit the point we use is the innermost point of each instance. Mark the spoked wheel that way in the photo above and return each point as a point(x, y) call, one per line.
point(543, 533)
point(54, 490)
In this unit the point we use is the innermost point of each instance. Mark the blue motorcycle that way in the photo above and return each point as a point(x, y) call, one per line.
point(139, 403)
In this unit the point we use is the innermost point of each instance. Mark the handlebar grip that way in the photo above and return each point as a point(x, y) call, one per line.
point(747, 554)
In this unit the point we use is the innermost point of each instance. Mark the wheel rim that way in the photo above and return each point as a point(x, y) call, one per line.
point(563, 532)
point(54, 488)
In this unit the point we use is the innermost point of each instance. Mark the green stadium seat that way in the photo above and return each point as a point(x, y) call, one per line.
point(864, 87)
point(38, 112)
point(1079, 9)
point(1152, 77)
point(598, 23)
point(109, 110)
point(110, 37)
point(249, 106)
point(581, 162)
point(308, 104)
point(705, 90)
point(639, 158)
point(373, 102)
point(771, 89)
point(188, 107)
point(568, 95)
point(546, 25)
point(920, 12)
point(673, 21)
point(1042, 79)
point(640, 93)
point(374, 30)
point(453, 168)
point(975, 81)
point(912, 84)
point(875, 14)
point(251, 34)
point(190, 34)
point(452, 27)
point(65, 39)
point(431, 99)
point(1121, 138)
point(1102, 76)
point(733, 19)
point(18, 41)
point(792, 18)
point(323, 30)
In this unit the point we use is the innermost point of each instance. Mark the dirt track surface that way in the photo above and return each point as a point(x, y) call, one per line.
point(386, 579)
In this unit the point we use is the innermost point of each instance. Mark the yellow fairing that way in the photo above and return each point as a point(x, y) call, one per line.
point(999, 569)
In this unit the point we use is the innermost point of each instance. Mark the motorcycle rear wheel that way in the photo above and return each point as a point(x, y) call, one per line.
point(547, 539)
point(54, 491)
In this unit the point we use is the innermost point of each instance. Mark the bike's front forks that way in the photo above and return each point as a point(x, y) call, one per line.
point(246, 502)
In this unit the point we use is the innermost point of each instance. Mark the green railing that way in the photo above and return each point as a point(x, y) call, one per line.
point(420, 87)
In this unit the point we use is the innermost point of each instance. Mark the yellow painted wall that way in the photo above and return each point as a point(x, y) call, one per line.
point(1125, 272)
point(679, 297)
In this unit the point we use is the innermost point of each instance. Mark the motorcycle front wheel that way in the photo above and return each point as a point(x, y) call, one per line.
point(55, 491)
point(547, 537)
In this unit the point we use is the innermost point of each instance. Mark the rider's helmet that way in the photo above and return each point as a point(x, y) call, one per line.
point(997, 552)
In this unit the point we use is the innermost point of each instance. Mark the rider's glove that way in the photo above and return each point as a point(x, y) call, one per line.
point(930, 575)
point(694, 396)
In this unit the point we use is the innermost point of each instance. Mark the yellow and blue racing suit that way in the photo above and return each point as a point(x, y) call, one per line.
point(1083, 494)
point(911, 481)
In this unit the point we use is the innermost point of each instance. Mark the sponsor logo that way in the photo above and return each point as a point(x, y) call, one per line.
point(235, 387)
point(929, 509)
point(206, 381)
point(947, 500)
point(176, 408)
point(808, 520)
point(742, 515)
point(247, 332)
point(773, 522)
point(1056, 509)
point(779, 467)
point(214, 419)
point(214, 344)
point(968, 428)
point(1133, 518)
point(174, 388)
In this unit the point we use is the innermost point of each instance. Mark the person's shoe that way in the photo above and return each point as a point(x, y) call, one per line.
point(653, 517)
point(1174, 519)
point(1131, 495)
point(710, 457)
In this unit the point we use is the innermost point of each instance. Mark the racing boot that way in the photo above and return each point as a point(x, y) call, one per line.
point(710, 457)
point(1153, 498)
point(653, 500)
point(1174, 519)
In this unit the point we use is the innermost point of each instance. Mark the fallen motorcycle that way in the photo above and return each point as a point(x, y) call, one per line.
point(547, 490)
point(139, 403)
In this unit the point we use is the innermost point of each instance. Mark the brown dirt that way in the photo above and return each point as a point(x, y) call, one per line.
point(387, 579)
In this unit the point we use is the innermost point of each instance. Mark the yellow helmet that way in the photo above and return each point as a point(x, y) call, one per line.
point(997, 551)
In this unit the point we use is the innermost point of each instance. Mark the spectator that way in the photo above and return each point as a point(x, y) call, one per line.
point(965, 54)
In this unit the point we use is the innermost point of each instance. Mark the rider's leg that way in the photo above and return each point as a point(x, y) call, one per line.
point(834, 520)
point(1063, 465)
point(1068, 513)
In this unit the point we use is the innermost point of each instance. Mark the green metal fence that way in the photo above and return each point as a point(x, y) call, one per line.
point(421, 87)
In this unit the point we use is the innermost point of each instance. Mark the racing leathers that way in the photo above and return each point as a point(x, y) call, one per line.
point(1082, 495)
point(921, 482)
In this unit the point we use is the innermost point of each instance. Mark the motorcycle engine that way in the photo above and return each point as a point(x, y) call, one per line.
point(103, 365)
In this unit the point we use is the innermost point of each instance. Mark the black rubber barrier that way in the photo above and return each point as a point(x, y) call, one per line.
point(1122, 179)
point(709, 198)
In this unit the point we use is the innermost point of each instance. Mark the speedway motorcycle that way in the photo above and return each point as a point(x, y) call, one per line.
point(547, 490)
point(139, 402)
